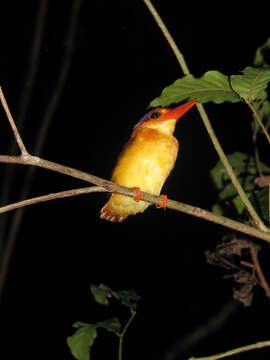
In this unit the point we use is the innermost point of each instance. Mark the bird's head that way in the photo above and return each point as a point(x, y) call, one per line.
point(164, 119)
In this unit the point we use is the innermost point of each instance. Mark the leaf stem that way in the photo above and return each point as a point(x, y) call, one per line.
point(121, 336)
point(258, 345)
point(257, 220)
point(257, 118)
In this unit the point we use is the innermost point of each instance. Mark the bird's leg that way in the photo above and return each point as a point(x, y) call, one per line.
point(164, 203)
point(138, 194)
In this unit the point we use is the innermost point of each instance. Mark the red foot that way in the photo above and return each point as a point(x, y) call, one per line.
point(138, 194)
point(164, 203)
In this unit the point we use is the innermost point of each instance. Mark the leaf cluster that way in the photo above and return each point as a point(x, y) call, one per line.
point(249, 86)
point(83, 339)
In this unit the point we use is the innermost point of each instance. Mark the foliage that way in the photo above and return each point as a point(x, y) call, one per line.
point(82, 340)
point(244, 167)
point(214, 86)
point(250, 85)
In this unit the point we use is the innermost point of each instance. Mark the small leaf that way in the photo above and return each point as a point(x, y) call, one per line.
point(112, 325)
point(252, 83)
point(81, 341)
point(261, 54)
point(127, 298)
point(264, 113)
point(212, 86)
point(260, 199)
point(101, 293)
point(217, 209)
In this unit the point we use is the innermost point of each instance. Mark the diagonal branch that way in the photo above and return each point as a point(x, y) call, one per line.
point(258, 345)
point(12, 124)
point(257, 220)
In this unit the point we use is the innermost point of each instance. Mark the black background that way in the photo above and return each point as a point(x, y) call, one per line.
point(120, 63)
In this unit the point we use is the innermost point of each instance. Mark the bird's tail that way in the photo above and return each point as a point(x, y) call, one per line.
point(108, 213)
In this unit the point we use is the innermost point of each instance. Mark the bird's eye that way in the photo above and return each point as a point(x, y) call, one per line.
point(155, 115)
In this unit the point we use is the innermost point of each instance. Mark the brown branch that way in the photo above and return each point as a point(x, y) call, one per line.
point(112, 187)
point(12, 124)
point(258, 345)
point(258, 269)
point(49, 197)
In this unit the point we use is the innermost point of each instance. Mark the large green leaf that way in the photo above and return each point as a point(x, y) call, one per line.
point(214, 86)
point(82, 340)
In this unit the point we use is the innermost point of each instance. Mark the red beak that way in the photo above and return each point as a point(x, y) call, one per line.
point(179, 111)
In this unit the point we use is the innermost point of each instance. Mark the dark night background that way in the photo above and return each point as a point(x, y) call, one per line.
point(120, 63)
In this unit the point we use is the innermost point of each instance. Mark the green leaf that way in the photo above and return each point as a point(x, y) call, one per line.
point(127, 298)
point(252, 83)
point(212, 86)
point(241, 164)
point(217, 209)
point(112, 325)
point(260, 199)
point(82, 340)
point(264, 114)
point(260, 56)
point(217, 87)
point(244, 167)
point(101, 293)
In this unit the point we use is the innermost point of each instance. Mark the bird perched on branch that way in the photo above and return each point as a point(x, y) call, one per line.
point(146, 161)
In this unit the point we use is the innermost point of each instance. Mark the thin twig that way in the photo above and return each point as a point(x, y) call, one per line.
point(12, 124)
point(257, 220)
point(258, 345)
point(112, 187)
point(257, 118)
point(49, 197)
point(121, 336)
point(32, 201)
point(258, 269)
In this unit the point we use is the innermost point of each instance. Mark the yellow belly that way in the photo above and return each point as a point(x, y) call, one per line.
point(145, 162)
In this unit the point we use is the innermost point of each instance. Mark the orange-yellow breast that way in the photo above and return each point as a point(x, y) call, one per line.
point(146, 161)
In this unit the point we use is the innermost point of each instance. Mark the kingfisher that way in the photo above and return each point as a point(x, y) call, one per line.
point(145, 161)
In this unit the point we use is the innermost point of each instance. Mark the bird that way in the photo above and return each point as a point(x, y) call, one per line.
point(145, 161)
